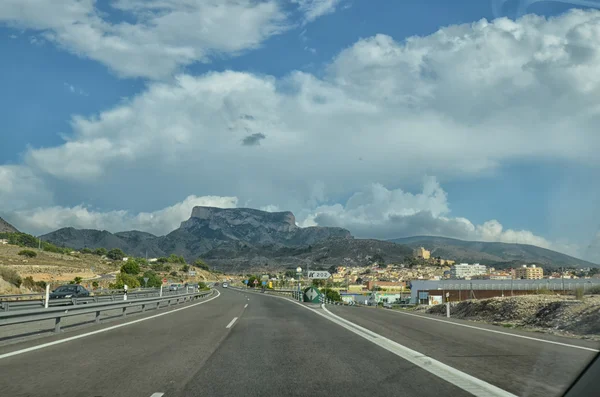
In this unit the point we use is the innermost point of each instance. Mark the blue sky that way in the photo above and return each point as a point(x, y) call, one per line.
point(372, 133)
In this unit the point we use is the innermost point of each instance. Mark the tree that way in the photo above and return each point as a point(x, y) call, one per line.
point(174, 274)
point(332, 269)
point(131, 267)
point(200, 263)
point(116, 254)
point(94, 284)
point(100, 251)
point(359, 280)
point(28, 253)
point(86, 251)
point(77, 280)
point(185, 268)
point(162, 259)
point(332, 294)
point(251, 281)
point(154, 279)
point(176, 259)
point(125, 279)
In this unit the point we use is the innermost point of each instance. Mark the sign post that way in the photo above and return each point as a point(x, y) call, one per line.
point(146, 282)
point(125, 292)
point(447, 304)
point(47, 296)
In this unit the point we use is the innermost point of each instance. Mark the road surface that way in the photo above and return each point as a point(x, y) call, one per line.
point(251, 344)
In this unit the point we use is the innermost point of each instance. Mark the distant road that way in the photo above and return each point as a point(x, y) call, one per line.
point(252, 344)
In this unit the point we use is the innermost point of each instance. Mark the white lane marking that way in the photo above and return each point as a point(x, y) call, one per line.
point(157, 394)
point(245, 306)
point(231, 322)
point(475, 386)
point(497, 332)
point(469, 383)
point(57, 342)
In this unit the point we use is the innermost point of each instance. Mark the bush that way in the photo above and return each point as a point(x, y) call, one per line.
point(41, 284)
point(595, 290)
point(28, 282)
point(116, 254)
point(200, 263)
point(86, 251)
point(77, 280)
point(154, 279)
point(332, 295)
point(185, 268)
point(11, 276)
point(131, 267)
point(174, 274)
point(94, 284)
point(28, 253)
point(125, 279)
point(579, 293)
point(100, 251)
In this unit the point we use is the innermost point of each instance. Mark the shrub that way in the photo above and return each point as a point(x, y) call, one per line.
point(174, 274)
point(86, 251)
point(77, 280)
point(94, 284)
point(11, 276)
point(332, 295)
point(185, 268)
point(154, 279)
point(595, 290)
point(28, 253)
point(41, 284)
point(116, 254)
point(130, 267)
point(200, 263)
point(28, 282)
point(579, 293)
point(100, 251)
point(125, 279)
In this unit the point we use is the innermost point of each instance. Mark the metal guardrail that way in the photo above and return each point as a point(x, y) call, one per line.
point(57, 313)
point(99, 296)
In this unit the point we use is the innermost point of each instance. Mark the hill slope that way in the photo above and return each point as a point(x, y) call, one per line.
point(6, 227)
point(491, 253)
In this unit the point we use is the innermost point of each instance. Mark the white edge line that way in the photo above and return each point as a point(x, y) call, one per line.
point(57, 342)
point(158, 394)
point(498, 332)
point(469, 383)
point(231, 322)
point(450, 374)
point(245, 306)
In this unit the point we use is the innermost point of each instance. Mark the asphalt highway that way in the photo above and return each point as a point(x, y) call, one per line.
point(253, 344)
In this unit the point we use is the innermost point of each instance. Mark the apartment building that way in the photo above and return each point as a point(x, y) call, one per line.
point(529, 272)
point(464, 270)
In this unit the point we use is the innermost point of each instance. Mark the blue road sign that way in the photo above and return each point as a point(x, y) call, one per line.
point(245, 281)
point(264, 283)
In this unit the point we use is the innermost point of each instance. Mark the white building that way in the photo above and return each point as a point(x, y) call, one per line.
point(464, 270)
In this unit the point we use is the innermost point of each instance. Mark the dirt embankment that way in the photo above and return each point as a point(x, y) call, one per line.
point(562, 315)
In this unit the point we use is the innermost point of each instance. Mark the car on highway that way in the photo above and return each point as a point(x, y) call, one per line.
point(174, 287)
point(225, 285)
point(69, 291)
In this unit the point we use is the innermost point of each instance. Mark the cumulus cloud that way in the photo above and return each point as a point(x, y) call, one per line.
point(43, 220)
point(158, 36)
point(21, 188)
point(383, 213)
point(459, 102)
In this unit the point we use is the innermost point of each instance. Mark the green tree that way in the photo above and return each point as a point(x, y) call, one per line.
point(131, 267)
point(77, 280)
point(100, 251)
point(94, 284)
point(200, 263)
point(125, 279)
point(251, 281)
point(332, 294)
point(185, 268)
point(86, 251)
point(116, 254)
point(174, 274)
point(176, 259)
point(28, 282)
point(359, 280)
point(154, 279)
point(332, 269)
point(28, 253)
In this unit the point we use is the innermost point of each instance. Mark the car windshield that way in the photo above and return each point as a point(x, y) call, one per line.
point(66, 289)
point(299, 197)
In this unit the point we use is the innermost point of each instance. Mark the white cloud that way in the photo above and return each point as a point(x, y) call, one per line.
point(382, 213)
point(21, 188)
point(43, 220)
point(165, 34)
point(314, 9)
point(459, 102)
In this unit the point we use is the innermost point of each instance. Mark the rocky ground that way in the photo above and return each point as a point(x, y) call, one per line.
point(561, 315)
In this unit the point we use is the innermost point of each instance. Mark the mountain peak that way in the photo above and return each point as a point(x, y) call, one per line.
point(284, 221)
point(6, 227)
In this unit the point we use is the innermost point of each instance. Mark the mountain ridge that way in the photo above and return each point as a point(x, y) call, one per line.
point(490, 253)
point(6, 227)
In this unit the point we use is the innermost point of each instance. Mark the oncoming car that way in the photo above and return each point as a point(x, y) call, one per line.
point(69, 291)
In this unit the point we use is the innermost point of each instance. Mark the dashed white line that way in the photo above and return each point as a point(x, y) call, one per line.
point(245, 306)
point(57, 342)
point(157, 394)
point(232, 322)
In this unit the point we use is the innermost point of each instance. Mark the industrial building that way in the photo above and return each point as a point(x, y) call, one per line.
point(465, 271)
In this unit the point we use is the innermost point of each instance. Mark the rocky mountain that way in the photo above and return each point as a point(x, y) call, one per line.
point(491, 253)
point(210, 229)
point(6, 227)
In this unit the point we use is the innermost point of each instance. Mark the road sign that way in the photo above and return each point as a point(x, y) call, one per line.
point(146, 281)
point(255, 281)
point(264, 277)
point(319, 275)
point(246, 282)
point(164, 280)
point(264, 283)
point(312, 294)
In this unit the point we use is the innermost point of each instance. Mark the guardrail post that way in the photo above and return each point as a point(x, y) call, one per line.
point(124, 312)
point(47, 296)
point(57, 325)
point(97, 321)
point(160, 291)
point(143, 308)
